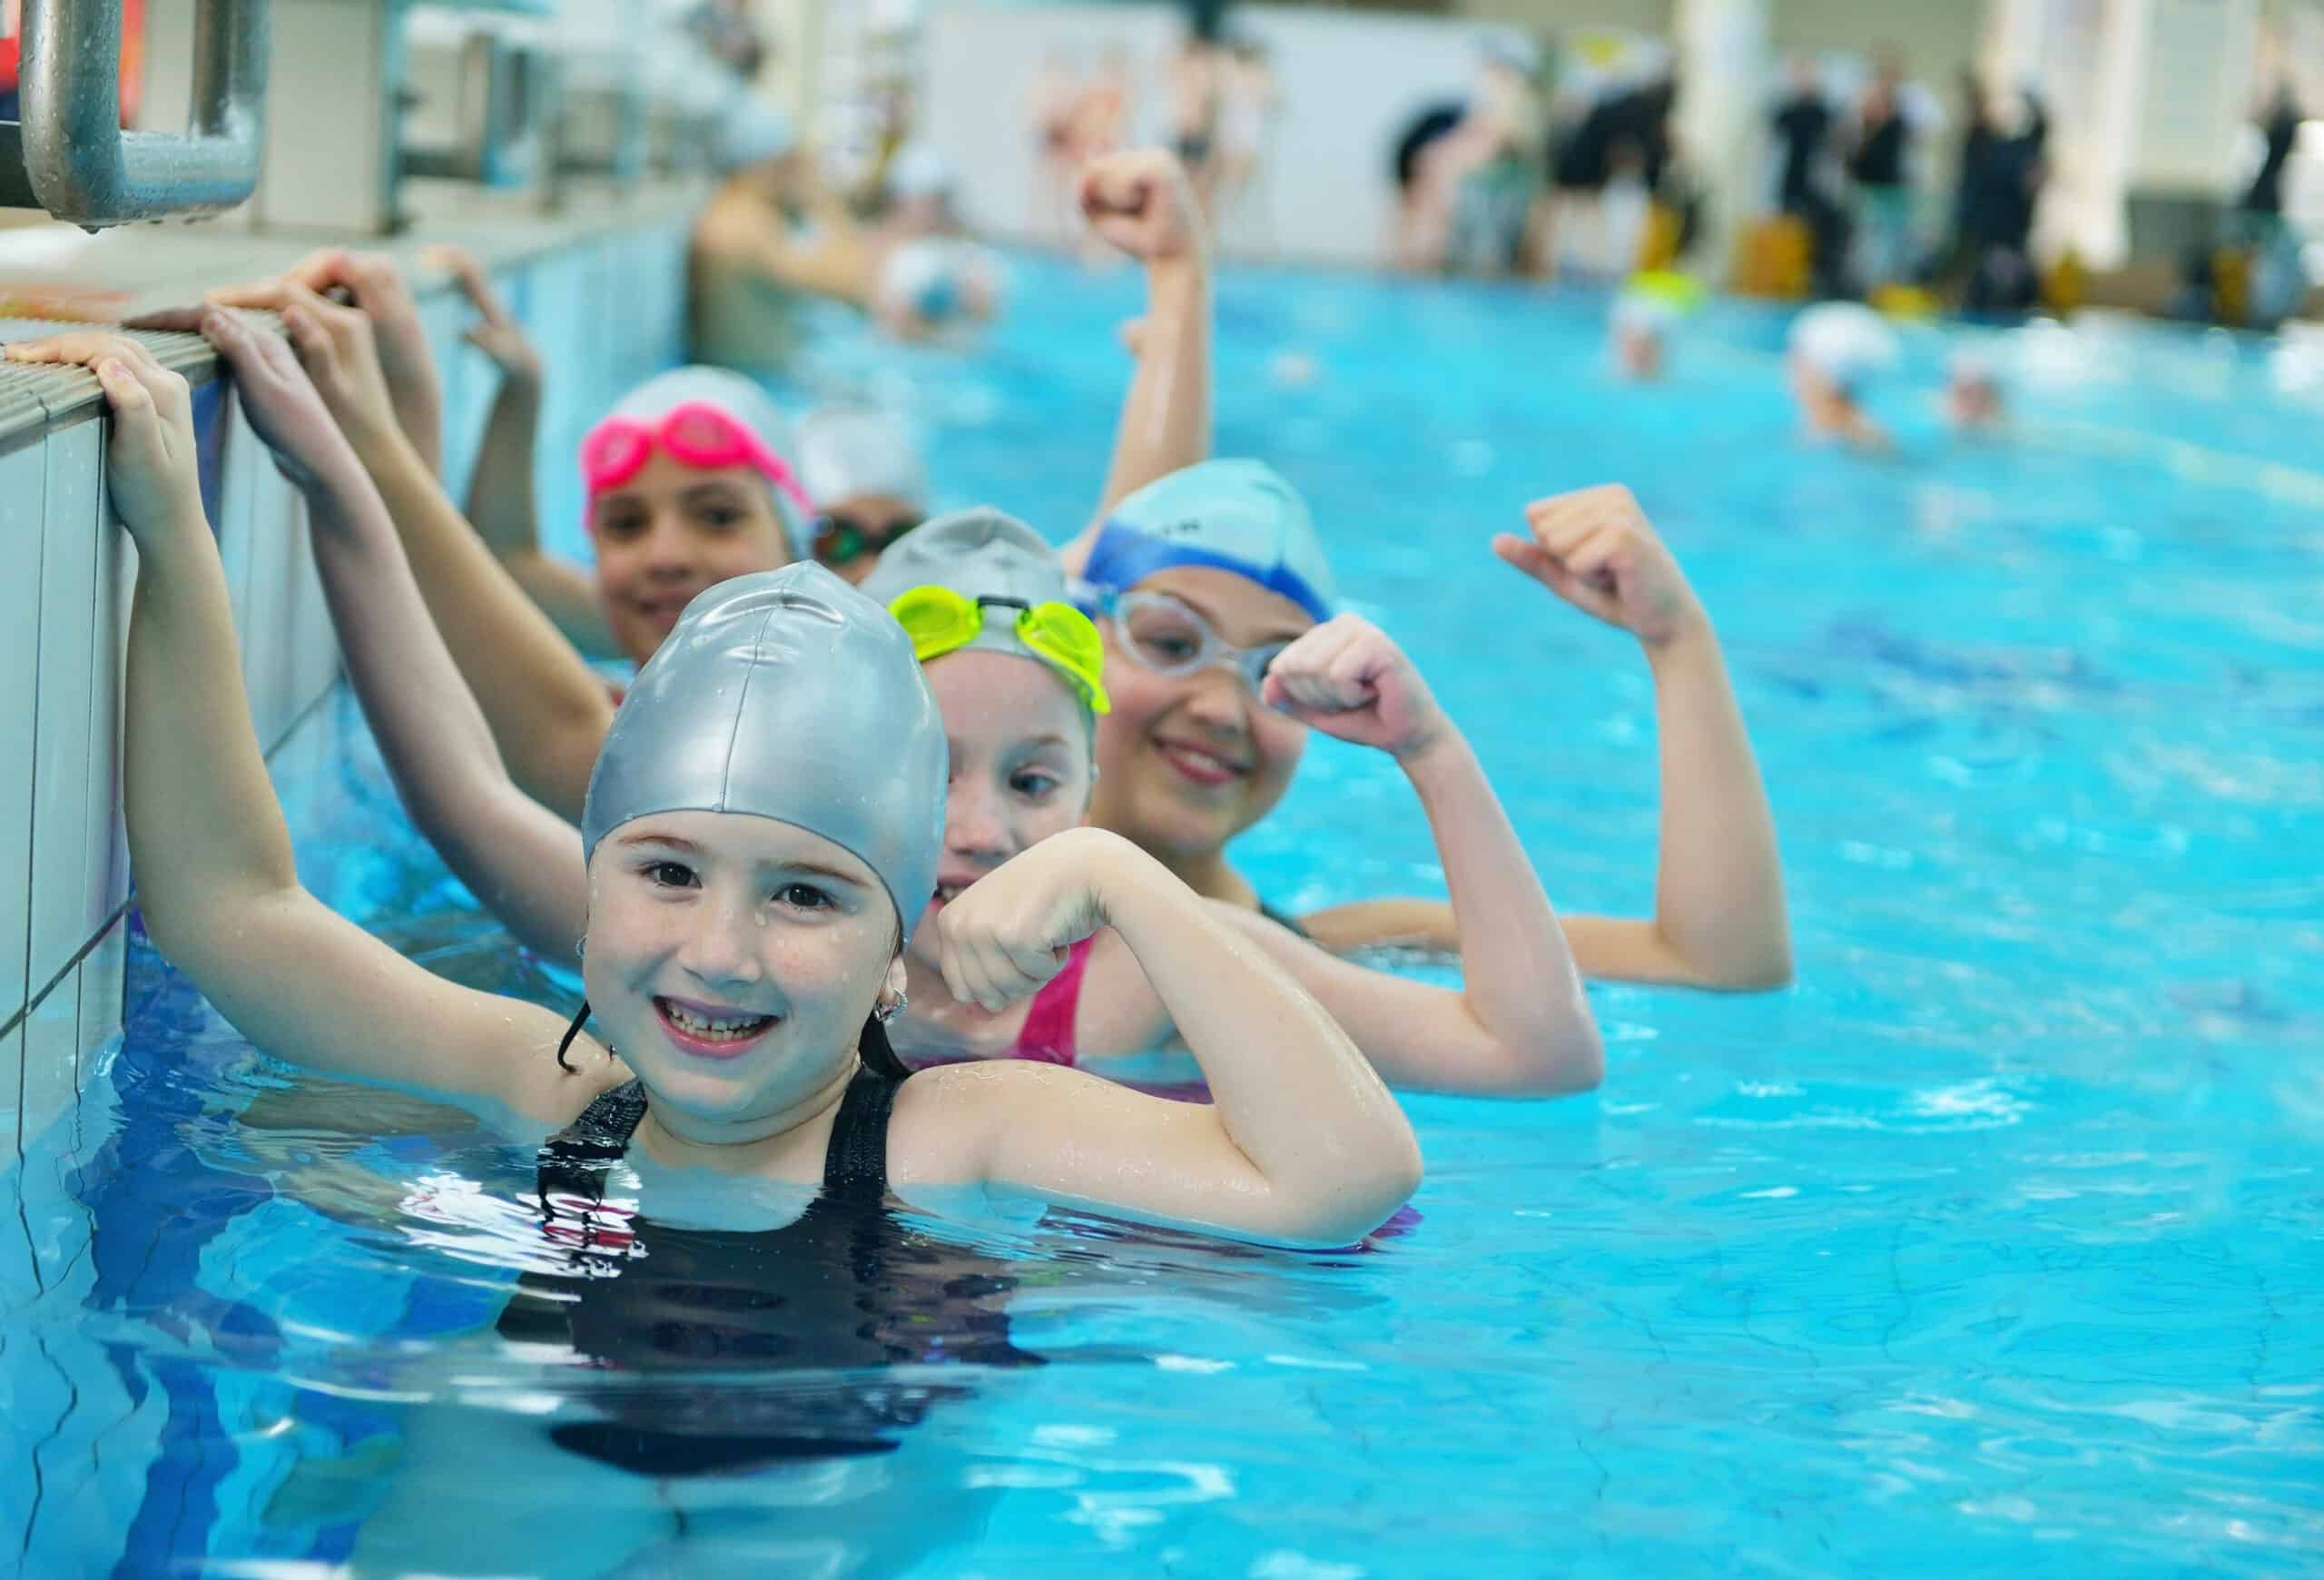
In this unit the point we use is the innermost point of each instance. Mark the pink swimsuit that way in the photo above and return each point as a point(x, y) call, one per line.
point(1047, 1036)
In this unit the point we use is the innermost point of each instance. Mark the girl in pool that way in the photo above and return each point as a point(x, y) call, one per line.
point(1019, 677)
point(689, 484)
point(1204, 580)
point(760, 832)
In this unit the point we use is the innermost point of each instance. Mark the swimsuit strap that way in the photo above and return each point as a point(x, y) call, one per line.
point(855, 1164)
point(1048, 1034)
point(574, 1161)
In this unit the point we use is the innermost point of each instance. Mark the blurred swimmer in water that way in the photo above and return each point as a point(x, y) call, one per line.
point(1206, 580)
point(862, 467)
point(691, 480)
point(1973, 401)
point(1836, 348)
point(1643, 318)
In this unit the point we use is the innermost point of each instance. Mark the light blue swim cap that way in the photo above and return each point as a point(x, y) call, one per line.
point(787, 695)
point(1226, 514)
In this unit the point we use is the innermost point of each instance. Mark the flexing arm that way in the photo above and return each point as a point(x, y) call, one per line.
point(501, 503)
point(548, 710)
point(216, 883)
point(1521, 1023)
point(1304, 1144)
point(520, 859)
point(1719, 919)
point(1142, 203)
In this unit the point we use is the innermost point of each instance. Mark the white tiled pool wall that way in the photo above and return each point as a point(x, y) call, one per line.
point(605, 311)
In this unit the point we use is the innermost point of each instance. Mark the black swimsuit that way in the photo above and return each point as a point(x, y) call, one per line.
point(679, 1312)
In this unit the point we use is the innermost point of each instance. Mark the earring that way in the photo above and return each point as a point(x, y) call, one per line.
point(884, 1013)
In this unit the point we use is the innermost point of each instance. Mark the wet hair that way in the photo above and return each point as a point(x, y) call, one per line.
point(879, 1055)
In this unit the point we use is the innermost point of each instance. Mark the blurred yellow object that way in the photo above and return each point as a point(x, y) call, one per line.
point(1773, 257)
point(1658, 249)
point(2230, 285)
point(1683, 293)
point(1906, 301)
point(2064, 284)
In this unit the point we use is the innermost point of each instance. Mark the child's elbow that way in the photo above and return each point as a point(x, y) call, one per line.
point(1765, 971)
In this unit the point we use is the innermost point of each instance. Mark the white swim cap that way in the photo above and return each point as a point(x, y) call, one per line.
point(1845, 341)
point(847, 452)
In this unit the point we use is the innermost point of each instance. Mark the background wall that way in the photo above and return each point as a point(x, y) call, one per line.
point(1324, 193)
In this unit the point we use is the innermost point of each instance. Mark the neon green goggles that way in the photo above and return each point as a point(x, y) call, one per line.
point(939, 621)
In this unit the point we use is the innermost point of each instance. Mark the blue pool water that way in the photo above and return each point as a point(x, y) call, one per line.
point(1994, 1242)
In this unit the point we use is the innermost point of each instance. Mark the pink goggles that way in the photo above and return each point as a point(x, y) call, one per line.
point(694, 433)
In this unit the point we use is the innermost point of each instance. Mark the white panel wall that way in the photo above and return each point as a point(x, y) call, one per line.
point(1350, 83)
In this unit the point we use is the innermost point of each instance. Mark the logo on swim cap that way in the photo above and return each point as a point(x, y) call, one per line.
point(1237, 516)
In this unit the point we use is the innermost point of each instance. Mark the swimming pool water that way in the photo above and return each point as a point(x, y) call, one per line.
point(1993, 1243)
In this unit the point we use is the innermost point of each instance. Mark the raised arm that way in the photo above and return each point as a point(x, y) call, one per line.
point(1303, 1145)
point(501, 503)
point(215, 880)
point(1719, 920)
point(378, 288)
point(1521, 1023)
point(1141, 202)
point(520, 859)
point(547, 709)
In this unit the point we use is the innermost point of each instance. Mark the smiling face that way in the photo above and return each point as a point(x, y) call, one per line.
point(1021, 769)
point(669, 532)
point(731, 961)
point(1185, 763)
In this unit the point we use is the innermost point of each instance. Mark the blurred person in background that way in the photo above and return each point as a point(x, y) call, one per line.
point(1055, 88)
point(1494, 201)
point(2277, 280)
point(1878, 165)
point(1194, 85)
point(1998, 199)
point(1836, 350)
point(1802, 122)
point(1417, 242)
point(1468, 184)
point(1250, 100)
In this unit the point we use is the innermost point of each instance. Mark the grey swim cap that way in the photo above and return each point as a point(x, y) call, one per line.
point(982, 553)
point(847, 452)
point(788, 695)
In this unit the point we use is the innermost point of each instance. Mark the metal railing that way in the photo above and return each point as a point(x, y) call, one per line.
point(70, 156)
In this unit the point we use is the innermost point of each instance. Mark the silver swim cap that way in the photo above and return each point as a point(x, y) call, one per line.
point(985, 554)
point(847, 452)
point(787, 695)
